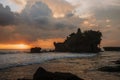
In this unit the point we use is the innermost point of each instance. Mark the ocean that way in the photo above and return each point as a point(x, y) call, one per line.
point(14, 58)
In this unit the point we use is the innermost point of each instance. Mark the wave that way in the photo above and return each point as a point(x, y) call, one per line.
point(15, 60)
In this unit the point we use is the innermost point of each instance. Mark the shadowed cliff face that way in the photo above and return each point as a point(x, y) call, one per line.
point(88, 41)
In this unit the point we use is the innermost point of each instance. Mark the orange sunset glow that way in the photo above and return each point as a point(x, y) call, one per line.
point(14, 46)
point(45, 44)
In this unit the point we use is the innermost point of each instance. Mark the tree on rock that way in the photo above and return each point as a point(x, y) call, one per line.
point(88, 41)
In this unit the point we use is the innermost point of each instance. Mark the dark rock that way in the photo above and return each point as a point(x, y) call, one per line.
point(87, 41)
point(117, 62)
point(110, 69)
point(24, 79)
point(42, 74)
point(111, 48)
point(35, 50)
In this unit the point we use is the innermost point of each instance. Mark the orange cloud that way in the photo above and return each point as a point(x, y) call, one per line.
point(19, 2)
point(47, 43)
point(59, 7)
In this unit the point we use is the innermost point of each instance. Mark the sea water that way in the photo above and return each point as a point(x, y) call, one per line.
point(13, 58)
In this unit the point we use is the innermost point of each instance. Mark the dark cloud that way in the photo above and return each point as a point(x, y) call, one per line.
point(42, 21)
point(36, 10)
point(39, 13)
point(28, 23)
point(36, 22)
point(40, 9)
point(61, 25)
point(6, 16)
point(69, 14)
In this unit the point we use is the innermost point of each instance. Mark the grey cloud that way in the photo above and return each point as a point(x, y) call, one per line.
point(40, 9)
point(6, 16)
point(28, 24)
point(109, 12)
point(62, 25)
point(110, 34)
point(42, 21)
point(69, 15)
point(37, 21)
point(39, 12)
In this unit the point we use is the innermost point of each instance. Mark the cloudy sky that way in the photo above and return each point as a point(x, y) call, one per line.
point(41, 22)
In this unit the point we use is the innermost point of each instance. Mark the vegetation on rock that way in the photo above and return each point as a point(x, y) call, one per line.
point(87, 41)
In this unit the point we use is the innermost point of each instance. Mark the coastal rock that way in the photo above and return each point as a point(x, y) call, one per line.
point(111, 48)
point(117, 62)
point(110, 69)
point(87, 41)
point(24, 79)
point(35, 50)
point(42, 74)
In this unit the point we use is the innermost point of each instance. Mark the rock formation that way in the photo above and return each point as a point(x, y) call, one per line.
point(88, 41)
point(42, 74)
point(35, 50)
point(111, 48)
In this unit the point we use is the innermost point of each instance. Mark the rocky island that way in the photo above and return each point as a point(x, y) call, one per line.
point(87, 41)
point(35, 50)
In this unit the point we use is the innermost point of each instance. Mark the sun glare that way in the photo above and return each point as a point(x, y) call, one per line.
point(14, 46)
point(22, 46)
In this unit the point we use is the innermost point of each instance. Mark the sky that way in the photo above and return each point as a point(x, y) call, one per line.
point(42, 22)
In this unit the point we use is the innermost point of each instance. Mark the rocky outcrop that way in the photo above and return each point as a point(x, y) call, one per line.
point(87, 41)
point(42, 74)
point(111, 48)
point(115, 68)
point(24, 79)
point(110, 69)
point(35, 50)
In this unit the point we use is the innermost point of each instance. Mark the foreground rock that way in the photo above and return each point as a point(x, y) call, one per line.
point(42, 74)
point(117, 62)
point(110, 69)
point(24, 79)
point(115, 68)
